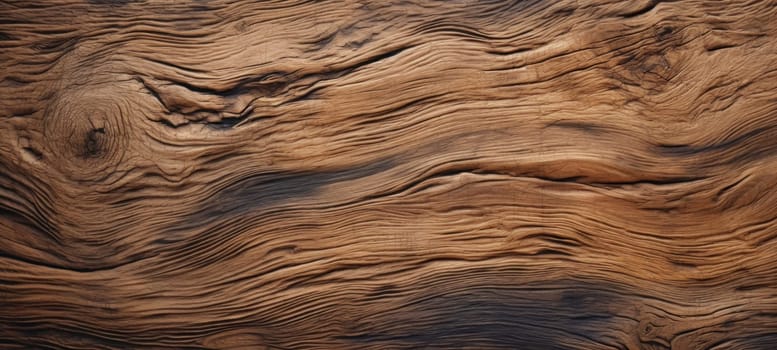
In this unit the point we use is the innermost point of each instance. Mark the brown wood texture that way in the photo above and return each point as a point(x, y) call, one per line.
point(586, 174)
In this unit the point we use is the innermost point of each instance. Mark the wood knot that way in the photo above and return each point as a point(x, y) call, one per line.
point(86, 132)
point(647, 330)
point(655, 330)
point(664, 32)
point(94, 143)
point(648, 68)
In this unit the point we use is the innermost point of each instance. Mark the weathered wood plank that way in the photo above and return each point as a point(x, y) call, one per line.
point(388, 175)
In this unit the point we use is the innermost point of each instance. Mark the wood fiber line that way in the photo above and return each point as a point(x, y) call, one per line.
point(522, 174)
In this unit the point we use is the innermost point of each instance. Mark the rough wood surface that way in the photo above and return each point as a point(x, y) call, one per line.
point(525, 174)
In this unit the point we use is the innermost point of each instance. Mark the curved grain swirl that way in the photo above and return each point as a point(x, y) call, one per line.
point(388, 175)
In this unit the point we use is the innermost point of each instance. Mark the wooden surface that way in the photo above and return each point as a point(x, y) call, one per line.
point(388, 175)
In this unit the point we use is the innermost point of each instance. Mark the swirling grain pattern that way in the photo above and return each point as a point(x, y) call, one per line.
point(530, 174)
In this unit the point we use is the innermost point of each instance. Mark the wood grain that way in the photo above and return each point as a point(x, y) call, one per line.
point(414, 174)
